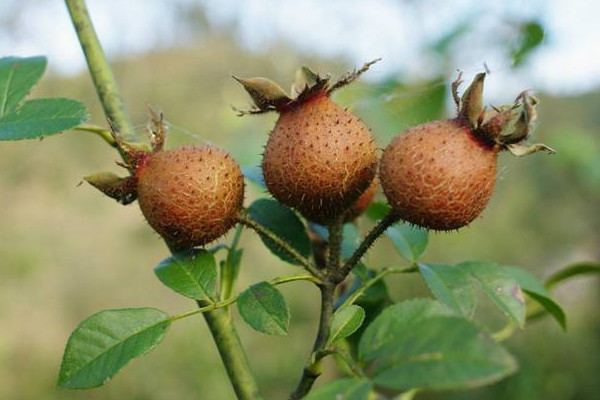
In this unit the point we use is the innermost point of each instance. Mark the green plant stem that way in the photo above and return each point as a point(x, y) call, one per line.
point(102, 74)
point(505, 333)
point(232, 353)
point(230, 268)
point(313, 368)
point(352, 365)
point(409, 395)
point(368, 241)
point(244, 219)
point(98, 130)
point(224, 303)
point(380, 275)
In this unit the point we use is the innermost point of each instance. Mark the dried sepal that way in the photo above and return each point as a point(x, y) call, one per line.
point(266, 94)
point(304, 79)
point(121, 189)
point(157, 128)
point(521, 149)
point(471, 102)
point(352, 76)
point(269, 96)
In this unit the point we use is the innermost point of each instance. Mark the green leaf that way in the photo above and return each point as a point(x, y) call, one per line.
point(254, 174)
point(584, 268)
point(532, 36)
point(17, 77)
point(263, 307)
point(42, 117)
point(421, 343)
point(351, 240)
point(452, 286)
point(103, 343)
point(532, 287)
point(284, 223)
point(343, 389)
point(500, 287)
point(192, 273)
point(345, 322)
point(410, 241)
point(377, 210)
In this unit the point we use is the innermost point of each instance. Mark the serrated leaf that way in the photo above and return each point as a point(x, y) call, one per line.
point(503, 289)
point(410, 241)
point(42, 117)
point(283, 222)
point(452, 286)
point(263, 307)
point(532, 287)
point(190, 273)
point(102, 344)
point(343, 389)
point(17, 77)
point(421, 343)
point(345, 322)
point(254, 174)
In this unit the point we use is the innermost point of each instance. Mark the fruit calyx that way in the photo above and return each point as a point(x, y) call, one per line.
point(269, 96)
point(507, 127)
point(135, 154)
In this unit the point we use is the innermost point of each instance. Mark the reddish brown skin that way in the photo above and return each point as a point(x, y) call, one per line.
point(438, 175)
point(362, 203)
point(190, 195)
point(319, 159)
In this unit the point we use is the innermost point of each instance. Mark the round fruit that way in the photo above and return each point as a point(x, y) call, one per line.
point(190, 195)
point(439, 175)
point(362, 203)
point(319, 158)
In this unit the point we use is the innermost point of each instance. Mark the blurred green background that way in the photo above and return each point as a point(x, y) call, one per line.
point(67, 252)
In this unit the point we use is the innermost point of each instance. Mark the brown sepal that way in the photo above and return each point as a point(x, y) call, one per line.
point(121, 189)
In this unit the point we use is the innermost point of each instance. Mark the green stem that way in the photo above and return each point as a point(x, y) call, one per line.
point(313, 368)
point(224, 303)
point(232, 353)
point(380, 275)
point(368, 241)
point(409, 395)
point(102, 74)
point(505, 333)
point(98, 130)
point(230, 269)
point(244, 219)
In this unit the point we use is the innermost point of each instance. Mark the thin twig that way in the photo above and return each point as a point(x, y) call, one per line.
point(245, 219)
point(367, 242)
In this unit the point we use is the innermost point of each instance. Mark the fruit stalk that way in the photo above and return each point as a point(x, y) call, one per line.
point(244, 219)
point(102, 74)
point(312, 369)
point(335, 243)
point(367, 242)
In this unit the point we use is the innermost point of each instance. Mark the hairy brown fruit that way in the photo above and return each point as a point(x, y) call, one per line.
point(319, 158)
point(438, 175)
point(362, 203)
point(190, 195)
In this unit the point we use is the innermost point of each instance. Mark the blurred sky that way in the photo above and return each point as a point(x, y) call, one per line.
point(358, 30)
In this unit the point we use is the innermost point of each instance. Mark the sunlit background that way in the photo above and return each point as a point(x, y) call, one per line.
point(67, 252)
